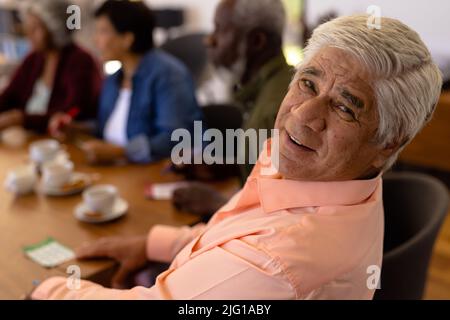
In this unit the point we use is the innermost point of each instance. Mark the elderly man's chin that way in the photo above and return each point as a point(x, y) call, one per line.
point(305, 168)
point(294, 150)
point(299, 163)
point(296, 162)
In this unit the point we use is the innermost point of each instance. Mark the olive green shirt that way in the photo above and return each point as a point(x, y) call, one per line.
point(261, 98)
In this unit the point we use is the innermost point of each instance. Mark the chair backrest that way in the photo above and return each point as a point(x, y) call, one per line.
point(191, 50)
point(223, 117)
point(415, 207)
point(168, 18)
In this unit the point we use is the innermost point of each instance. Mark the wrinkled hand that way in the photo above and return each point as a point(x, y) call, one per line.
point(198, 198)
point(99, 152)
point(58, 125)
point(11, 118)
point(130, 252)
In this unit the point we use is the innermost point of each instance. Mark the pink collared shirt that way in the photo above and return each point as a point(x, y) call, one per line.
point(275, 239)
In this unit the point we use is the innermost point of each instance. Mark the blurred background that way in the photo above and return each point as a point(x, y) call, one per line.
point(182, 24)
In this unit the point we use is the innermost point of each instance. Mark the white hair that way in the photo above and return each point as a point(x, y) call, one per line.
point(407, 83)
point(53, 13)
point(267, 14)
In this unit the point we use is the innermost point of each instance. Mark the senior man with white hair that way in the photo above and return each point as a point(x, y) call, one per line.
point(313, 229)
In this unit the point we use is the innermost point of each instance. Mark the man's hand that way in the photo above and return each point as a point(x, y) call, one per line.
point(99, 152)
point(11, 118)
point(198, 198)
point(130, 252)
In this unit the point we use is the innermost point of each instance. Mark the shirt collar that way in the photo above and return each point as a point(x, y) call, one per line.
point(273, 193)
point(279, 194)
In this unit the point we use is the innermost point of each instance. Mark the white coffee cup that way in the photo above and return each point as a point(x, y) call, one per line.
point(56, 175)
point(100, 198)
point(21, 180)
point(44, 150)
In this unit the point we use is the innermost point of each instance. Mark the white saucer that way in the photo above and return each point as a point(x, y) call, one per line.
point(68, 191)
point(120, 208)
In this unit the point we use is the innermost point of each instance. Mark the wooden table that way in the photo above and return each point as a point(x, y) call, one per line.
point(31, 219)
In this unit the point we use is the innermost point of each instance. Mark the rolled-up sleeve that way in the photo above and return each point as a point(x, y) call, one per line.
point(164, 242)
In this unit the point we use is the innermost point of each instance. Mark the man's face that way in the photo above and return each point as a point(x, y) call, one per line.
point(223, 43)
point(328, 121)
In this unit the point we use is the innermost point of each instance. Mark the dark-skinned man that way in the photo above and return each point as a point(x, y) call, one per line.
point(247, 40)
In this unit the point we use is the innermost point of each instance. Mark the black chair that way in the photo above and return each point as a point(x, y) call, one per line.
point(190, 49)
point(222, 117)
point(168, 18)
point(415, 207)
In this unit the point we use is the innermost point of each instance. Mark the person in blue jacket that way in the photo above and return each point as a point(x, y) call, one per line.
point(141, 104)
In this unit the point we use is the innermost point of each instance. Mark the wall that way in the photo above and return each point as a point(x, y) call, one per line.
point(428, 17)
point(200, 13)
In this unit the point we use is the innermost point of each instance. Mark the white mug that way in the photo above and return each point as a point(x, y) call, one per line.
point(100, 198)
point(21, 180)
point(44, 150)
point(56, 175)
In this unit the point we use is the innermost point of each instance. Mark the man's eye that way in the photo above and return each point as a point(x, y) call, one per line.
point(309, 85)
point(345, 112)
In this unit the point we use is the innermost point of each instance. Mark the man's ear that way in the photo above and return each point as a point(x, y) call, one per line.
point(257, 40)
point(386, 152)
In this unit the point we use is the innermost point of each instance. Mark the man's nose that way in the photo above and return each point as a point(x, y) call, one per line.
point(312, 113)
